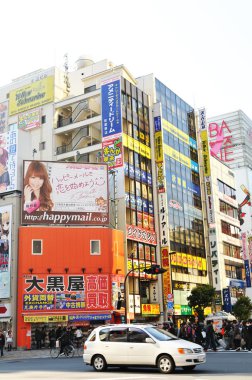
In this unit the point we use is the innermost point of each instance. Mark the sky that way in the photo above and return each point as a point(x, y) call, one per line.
point(200, 49)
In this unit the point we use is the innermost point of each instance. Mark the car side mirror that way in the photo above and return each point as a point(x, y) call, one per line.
point(149, 340)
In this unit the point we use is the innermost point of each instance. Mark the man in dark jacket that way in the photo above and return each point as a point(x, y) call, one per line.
point(210, 336)
point(2, 342)
point(65, 339)
point(249, 335)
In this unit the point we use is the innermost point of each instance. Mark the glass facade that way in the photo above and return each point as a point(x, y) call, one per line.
point(138, 189)
point(182, 183)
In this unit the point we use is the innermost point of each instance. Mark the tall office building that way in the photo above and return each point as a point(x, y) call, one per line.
point(179, 195)
point(230, 137)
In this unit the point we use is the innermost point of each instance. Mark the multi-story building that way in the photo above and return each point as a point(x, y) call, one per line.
point(94, 115)
point(230, 140)
point(179, 195)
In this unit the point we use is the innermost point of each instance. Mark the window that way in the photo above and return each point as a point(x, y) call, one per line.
point(42, 145)
point(37, 247)
point(89, 89)
point(95, 247)
point(137, 335)
point(43, 119)
point(118, 335)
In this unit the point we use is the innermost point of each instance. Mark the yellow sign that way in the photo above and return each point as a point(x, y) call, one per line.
point(34, 319)
point(46, 318)
point(57, 318)
point(31, 96)
point(150, 309)
point(136, 145)
point(175, 131)
point(159, 155)
point(177, 156)
point(205, 153)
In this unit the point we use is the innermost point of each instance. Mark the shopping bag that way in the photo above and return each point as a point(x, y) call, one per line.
point(222, 343)
point(57, 343)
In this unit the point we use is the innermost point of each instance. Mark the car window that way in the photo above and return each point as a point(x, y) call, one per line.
point(118, 335)
point(92, 338)
point(160, 334)
point(137, 335)
point(103, 335)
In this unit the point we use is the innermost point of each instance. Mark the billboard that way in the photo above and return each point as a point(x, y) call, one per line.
point(31, 96)
point(65, 193)
point(66, 292)
point(29, 120)
point(111, 107)
point(8, 160)
point(3, 117)
point(5, 250)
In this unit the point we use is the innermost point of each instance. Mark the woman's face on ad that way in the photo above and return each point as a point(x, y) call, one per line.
point(35, 182)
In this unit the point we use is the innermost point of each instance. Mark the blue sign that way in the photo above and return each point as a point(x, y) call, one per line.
point(192, 143)
point(111, 108)
point(227, 300)
point(89, 317)
point(157, 123)
point(237, 284)
point(247, 273)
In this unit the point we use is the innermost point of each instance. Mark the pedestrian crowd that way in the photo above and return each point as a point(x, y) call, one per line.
point(232, 336)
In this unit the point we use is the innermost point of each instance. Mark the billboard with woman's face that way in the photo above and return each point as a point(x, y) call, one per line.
point(65, 193)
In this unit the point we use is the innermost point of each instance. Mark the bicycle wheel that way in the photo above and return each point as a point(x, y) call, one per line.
point(54, 352)
point(69, 351)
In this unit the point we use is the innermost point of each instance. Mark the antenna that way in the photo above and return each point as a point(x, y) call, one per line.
point(66, 77)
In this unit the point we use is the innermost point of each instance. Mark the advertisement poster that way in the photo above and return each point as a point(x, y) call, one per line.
point(111, 107)
point(29, 120)
point(8, 160)
point(112, 152)
point(65, 193)
point(31, 96)
point(57, 292)
point(3, 117)
point(5, 250)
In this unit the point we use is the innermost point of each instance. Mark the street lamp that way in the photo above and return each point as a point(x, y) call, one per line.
point(152, 269)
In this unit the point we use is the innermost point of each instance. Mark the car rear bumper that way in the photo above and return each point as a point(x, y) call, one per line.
point(87, 358)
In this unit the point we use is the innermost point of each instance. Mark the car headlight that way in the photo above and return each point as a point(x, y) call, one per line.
point(185, 351)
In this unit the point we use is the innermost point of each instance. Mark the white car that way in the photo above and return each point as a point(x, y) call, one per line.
point(140, 345)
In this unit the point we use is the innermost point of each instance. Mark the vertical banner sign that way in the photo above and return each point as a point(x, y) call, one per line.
point(5, 253)
point(162, 200)
point(227, 300)
point(111, 108)
point(247, 273)
point(209, 201)
point(3, 117)
point(244, 246)
point(250, 252)
point(8, 159)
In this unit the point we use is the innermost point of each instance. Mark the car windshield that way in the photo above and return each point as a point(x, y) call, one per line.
point(160, 334)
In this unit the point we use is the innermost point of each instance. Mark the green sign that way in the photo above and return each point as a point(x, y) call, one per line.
point(186, 310)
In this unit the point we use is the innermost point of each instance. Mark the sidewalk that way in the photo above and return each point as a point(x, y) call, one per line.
point(25, 354)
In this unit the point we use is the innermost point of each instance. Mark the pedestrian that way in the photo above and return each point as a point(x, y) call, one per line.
point(38, 338)
point(52, 338)
point(249, 335)
point(229, 335)
point(9, 340)
point(244, 334)
point(198, 334)
point(65, 339)
point(210, 337)
point(2, 342)
point(237, 337)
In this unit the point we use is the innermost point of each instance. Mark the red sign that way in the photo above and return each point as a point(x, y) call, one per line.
point(140, 234)
point(3, 309)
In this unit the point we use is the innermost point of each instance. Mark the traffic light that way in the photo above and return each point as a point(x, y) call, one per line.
point(154, 269)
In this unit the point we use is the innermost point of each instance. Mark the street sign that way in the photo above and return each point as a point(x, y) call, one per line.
point(3, 309)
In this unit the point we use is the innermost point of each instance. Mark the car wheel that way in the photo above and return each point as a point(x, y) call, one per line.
point(189, 367)
point(166, 364)
point(99, 363)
